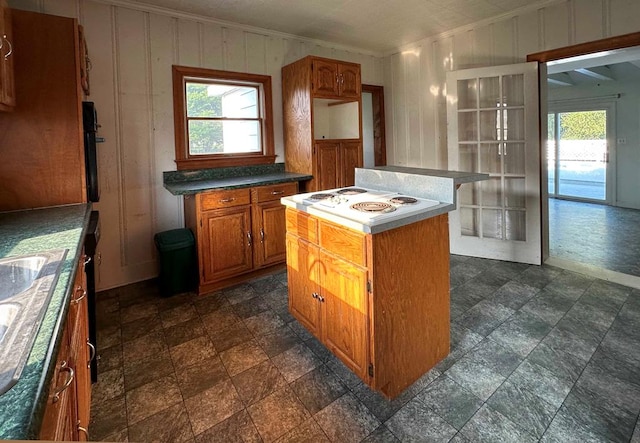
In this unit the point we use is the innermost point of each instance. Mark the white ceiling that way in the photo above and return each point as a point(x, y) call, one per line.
point(374, 25)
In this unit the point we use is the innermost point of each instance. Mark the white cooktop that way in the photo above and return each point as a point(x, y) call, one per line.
point(340, 202)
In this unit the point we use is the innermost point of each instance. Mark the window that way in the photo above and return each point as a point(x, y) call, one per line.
point(221, 118)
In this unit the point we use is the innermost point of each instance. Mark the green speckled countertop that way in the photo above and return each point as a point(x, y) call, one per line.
point(27, 232)
point(192, 182)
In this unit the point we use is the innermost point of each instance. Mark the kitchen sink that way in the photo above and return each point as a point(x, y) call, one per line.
point(26, 285)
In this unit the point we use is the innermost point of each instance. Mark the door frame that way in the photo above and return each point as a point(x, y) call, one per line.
point(379, 133)
point(542, 57)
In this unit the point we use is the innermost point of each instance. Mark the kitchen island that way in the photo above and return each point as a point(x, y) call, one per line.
point(374, 288)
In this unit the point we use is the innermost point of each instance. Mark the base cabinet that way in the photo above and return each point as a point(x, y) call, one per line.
point(240, 233)
point(336, 162)
point(66, 417)
point(380, 303)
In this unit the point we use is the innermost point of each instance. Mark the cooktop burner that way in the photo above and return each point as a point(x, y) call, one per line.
point(373, 207)
point(351, 191)
point(320, 196)
point(401, 200)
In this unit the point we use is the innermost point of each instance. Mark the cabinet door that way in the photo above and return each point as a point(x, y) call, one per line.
point(269, 234)
point(344, 311)
point(226, 243)
point(325, 79)
point(302, 274)
point(350, 158)
point(328, 165)
point(349, 77)
point(7, 94)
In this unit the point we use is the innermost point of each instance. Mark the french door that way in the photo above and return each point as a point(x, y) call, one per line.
point(493, 128)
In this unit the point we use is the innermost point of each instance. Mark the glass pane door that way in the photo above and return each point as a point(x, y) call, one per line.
point(580, 159)
point(493, 120)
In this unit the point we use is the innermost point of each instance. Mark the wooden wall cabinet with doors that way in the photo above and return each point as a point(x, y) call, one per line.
point(322, 113)
point(7, 84)
point(66, 416)
point(239, 233)
point(379, 302)
point(47, 117)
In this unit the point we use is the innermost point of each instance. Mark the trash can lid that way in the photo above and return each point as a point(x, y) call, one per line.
point(174, 239)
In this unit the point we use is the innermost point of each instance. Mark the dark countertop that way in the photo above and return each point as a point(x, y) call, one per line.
point(27, 232)
point(193, 182)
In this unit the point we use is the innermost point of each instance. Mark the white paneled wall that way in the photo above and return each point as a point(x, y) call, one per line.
point(132, 51)
point(416, 118)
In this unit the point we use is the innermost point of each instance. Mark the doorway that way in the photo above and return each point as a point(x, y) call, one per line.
point(580, 136)
point(373, 128)
point(607, 230)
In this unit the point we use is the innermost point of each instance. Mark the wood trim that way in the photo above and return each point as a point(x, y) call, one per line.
point(379, 132)
point(183, 159)
point(617, 42)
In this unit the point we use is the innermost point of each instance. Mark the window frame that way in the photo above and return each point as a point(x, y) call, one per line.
point(185, 160)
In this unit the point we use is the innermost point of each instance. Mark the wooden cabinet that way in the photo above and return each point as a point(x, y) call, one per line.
point(240, 233)
point(66, 417)
point(335, 79)
point(47, 117)
point(379, 302)
point(336, 162)
point(7, 86)
point(322, 110)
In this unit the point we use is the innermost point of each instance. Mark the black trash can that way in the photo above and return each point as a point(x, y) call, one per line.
point(178, 266)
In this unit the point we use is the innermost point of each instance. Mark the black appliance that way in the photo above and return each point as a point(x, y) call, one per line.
point(90, 243)
point(90, 124)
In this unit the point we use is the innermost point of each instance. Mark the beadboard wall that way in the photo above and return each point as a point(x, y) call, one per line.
point(131, 51)
point(415, 76)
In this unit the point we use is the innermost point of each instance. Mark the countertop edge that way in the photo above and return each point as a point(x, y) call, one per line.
point(197, 186)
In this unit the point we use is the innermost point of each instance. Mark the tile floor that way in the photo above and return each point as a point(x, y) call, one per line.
point(612, 241)
point(538, 354)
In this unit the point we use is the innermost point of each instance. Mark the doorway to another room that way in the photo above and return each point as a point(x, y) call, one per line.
point(591, 159)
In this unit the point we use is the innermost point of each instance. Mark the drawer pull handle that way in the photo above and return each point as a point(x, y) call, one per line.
point(277, 192)
point(321, 298)
point(314, 295)
point(92, 354)
point(86, 260)
point(81, 429)
point(249, 238)
point(226, 200)
point(261, 235)
point(64, 367)
point(79, 299)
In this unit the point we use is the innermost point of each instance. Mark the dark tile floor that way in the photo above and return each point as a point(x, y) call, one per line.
point(599, 235)
point(538, 354)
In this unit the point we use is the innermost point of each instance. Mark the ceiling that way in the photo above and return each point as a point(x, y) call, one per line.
point(373, 25)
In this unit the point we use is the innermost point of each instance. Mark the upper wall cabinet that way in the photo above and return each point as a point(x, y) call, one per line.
point(334, 79)
point(7, 94)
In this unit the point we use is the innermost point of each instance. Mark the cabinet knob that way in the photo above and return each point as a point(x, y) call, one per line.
point(321, 298)
point(314, 295)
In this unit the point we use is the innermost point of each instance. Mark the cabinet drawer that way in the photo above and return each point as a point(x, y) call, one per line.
point(301, 224)
point(343, 242)
point(274, 192)
point(224, 199)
